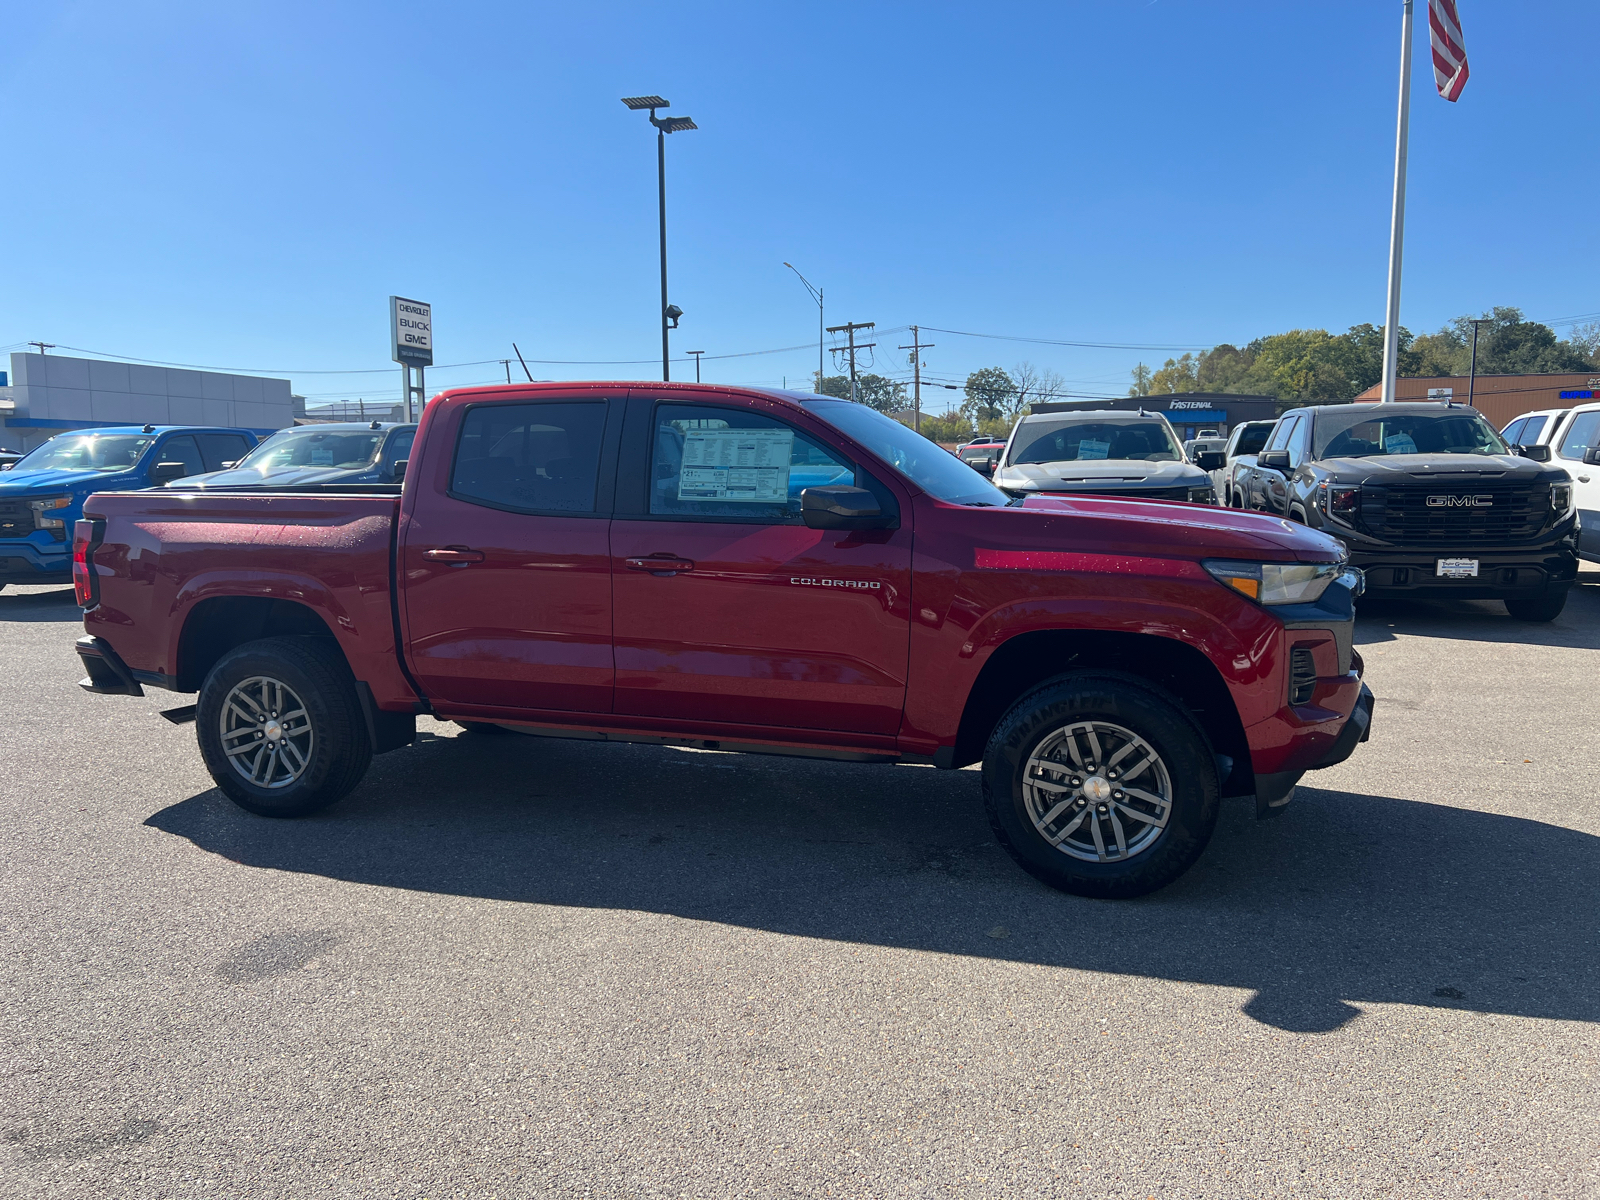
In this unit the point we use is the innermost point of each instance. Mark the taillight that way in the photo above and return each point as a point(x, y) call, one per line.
point(86, 537)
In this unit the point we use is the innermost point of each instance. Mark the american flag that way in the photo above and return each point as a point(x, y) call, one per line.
point(1449, 51)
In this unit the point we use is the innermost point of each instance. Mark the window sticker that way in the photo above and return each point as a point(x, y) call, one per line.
point(748, 466)
point(322, 456)
point(1400, 443)
point(1088, 449)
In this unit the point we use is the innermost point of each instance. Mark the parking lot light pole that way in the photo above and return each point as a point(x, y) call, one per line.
point(816, 294)
point(664, 126)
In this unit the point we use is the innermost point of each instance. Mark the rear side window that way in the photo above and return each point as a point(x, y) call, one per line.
point(729, 464)
point(531, 457)
point(218, 448)
point(182, 449)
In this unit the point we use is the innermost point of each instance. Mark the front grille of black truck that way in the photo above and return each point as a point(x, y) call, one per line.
point(16, 519)
point(1455, 513)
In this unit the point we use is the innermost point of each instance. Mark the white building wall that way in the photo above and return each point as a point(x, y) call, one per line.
point(53, 392)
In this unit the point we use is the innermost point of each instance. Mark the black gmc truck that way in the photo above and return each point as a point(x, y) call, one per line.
point(1430, 500)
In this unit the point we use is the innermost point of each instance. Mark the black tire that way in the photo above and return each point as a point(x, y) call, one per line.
point(1183, 753)
point(337, 751)
point(483, 727)
point(1537, 609)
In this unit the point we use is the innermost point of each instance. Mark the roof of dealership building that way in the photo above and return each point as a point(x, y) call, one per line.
point(1500, 398)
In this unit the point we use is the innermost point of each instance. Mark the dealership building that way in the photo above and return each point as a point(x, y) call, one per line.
point(1500, 398)
point(47, 394)
point(1189, 412)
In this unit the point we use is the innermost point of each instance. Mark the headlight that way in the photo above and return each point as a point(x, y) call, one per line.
point(1277, 583)
point(1561, 497)
point(1202, 495)
point(1341, 503)
point(47, 504)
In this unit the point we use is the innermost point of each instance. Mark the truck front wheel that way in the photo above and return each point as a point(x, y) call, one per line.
point(1536, 608)
point(280, 727)
point(1099, 785)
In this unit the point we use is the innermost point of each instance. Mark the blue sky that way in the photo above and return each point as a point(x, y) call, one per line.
point(243, 185)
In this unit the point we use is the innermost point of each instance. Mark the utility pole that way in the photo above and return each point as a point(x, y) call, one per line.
point(850, 330)
point(917, 347)
point(506, 363)
point(1472, 372)
point(43, 346)
point(697, 354)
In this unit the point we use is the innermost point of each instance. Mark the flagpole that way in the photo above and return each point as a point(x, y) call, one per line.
point(1397, 225)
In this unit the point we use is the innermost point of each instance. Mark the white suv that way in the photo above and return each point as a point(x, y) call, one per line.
point(1572, 434)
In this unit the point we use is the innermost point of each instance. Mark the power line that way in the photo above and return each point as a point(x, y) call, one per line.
point(1006, 337)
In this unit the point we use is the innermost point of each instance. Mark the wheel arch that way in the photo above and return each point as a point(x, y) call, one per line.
point(1024, 661)
point(219, 624)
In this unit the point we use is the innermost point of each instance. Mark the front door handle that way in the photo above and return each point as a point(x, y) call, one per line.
point(660, 564)
point(458, 555)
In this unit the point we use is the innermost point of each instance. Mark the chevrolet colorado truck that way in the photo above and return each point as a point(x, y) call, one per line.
point(1430, 500)
point(745, 570)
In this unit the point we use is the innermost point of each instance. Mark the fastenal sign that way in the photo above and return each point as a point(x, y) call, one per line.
point(411, 331)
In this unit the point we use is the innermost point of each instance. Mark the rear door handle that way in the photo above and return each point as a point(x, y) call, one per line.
point(660, 564)
point(454, 554)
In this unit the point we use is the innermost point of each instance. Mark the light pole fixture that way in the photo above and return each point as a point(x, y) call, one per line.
point(664, 125)
point(816, 294)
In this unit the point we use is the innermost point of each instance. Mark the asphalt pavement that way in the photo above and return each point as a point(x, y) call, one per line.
point(509, 967)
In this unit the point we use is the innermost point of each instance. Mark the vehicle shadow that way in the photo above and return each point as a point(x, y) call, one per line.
point(1379, 619)
point(1345, 899)
point(40, 604)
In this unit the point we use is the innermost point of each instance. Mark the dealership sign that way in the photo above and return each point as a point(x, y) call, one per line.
point(411, 331)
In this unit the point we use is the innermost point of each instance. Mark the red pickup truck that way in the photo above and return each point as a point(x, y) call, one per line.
point(741, 569)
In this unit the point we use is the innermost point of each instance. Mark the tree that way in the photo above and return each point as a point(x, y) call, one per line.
point(874, 391)
point(991, 395)
point(1175, 375)
point(947, 427)
point(1141, 381)
point(1585, 339)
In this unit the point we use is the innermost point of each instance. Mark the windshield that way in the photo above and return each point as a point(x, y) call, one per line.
point(348, 449)
point(1253, 438)
point(924, 463)
point(1359, 435)
point(85, 452)
point(1082, 441)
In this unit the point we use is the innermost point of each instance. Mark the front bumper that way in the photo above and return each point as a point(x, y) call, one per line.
point(22, 561)
point(1545, 569)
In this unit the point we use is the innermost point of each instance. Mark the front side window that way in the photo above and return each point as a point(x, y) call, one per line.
point(1583, 434)
point(1528, 435)
point(218, 448)
point(730, 464)
point(183, 450)
point(531, 457)
point(85, 452)
point(1298, 441)
point(1459, 432)
point(1087, 441)
point(1280, 434)
point(1512, 433)
point(399, 447)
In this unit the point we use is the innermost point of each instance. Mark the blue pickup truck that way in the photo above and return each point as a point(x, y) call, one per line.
point(42, 494)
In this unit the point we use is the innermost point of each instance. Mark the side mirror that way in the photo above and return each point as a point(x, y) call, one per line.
point(840, 506)
point(400, 468)
point(1210, 460)
point(166, 472)
point(1591, 456)
point(1273, 460)
point(1533, 453)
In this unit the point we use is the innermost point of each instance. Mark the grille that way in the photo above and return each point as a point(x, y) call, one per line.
point(16, 519)
point(1178, 493)
point(1402, 514)
point(1302, 675)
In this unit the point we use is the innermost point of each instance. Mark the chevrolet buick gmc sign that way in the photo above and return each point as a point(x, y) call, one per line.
point(411, 331)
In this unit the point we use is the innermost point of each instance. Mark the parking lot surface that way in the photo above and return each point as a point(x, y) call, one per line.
point(507, 966)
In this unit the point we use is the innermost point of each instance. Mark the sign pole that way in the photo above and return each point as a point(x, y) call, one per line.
point(1397, 225)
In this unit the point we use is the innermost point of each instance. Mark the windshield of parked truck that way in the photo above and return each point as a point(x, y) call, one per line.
point(311, 447)
point(1361, 435)
point(1083, 441)
point(926, 464)
point(85, 452)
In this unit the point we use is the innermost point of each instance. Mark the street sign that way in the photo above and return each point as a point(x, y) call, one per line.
point(411, 331)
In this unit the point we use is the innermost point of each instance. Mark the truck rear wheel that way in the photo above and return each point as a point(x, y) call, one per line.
point(280, 727)
point(1099, 785)
point(1536, 608)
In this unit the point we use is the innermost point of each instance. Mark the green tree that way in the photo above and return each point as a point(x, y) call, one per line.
point(1175, 375)
point(991, 395)
point(874, 391)
point(1141, 381)
point(948, 428)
